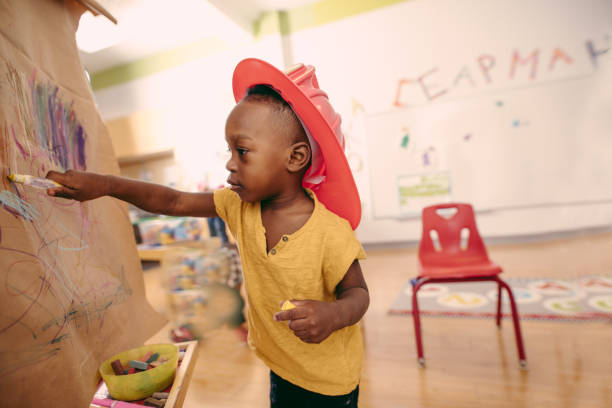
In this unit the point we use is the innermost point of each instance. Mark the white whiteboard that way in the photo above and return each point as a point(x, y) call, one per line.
point(522, 122)
point(514, 148)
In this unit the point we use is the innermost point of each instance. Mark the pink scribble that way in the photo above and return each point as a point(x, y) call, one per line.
point(19, 146)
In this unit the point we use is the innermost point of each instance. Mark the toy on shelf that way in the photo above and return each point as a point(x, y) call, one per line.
point(164, 230)
point(202, 290)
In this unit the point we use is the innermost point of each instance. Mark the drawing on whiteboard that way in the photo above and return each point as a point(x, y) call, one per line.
point(356, 107)
point(429, 157)
point(405, 138)
point(518, 123)
point(420, 190)
point(524, 68)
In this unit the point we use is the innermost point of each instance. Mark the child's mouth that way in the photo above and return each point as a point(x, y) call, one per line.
point(234, 186)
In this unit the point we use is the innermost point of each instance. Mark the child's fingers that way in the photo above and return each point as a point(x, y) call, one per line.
point(302, 335)
point(55, 191)
point(60, 192)
point(299, 325)
point(292, 314)
point(56, 176)
point(282, 316)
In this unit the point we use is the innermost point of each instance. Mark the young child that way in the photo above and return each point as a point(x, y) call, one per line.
point(291, 246)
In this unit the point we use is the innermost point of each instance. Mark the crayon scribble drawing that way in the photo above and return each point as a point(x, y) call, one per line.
point(51, 131)
point(55, 287)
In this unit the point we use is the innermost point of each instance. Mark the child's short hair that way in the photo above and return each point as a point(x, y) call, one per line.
point(266, 94)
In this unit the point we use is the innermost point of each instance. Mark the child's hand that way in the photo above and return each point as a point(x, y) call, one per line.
point(311, 320)
point(78, 185)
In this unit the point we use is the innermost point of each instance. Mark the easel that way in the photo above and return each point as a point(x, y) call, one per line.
point(95, 8)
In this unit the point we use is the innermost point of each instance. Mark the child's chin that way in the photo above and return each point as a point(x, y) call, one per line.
point(244, 196)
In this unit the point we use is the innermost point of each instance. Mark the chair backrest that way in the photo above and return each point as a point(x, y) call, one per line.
point(450, 240)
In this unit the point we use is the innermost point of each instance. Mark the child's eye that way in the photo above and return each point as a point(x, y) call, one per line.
point(241, 151)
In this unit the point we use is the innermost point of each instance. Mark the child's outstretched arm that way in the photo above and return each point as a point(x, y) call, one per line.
point(313, 321)
point(154, 198)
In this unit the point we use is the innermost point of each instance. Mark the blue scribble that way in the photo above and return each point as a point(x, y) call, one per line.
point(18, 206)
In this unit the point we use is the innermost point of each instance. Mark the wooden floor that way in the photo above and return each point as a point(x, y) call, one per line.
point(470, 363)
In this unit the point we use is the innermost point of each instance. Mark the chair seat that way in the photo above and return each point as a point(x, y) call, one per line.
point(460, 271)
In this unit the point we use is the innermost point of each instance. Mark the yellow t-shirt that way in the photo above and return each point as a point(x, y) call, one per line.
point(307, 264)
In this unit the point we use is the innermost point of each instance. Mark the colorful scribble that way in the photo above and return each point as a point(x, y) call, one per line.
point(26, 356)
point(17, 206)
point(47, 289)
point(50, 125)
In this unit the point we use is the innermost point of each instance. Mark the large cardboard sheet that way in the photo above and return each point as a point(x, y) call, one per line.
point(71, 287)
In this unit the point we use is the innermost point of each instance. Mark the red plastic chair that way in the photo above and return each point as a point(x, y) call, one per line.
point(451, 250)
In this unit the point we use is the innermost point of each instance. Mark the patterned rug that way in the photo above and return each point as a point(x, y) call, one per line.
point(583, 299)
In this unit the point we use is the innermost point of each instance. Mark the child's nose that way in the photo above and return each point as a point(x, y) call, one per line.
point(230, 165)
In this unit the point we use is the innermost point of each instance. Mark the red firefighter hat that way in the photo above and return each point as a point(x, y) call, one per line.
point(329, 176)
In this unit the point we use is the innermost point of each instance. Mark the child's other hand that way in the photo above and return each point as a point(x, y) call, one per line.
point(311, 320)
point(77, 185)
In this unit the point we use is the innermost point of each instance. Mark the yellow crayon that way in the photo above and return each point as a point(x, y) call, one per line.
point(287, 305)
point(33, 181)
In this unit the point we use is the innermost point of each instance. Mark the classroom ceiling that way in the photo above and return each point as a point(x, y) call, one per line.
point(150, 26)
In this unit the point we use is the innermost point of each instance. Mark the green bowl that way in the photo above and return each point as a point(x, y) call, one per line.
point(140, 385)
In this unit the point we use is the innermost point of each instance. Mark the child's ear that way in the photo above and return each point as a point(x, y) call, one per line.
point(299, 157)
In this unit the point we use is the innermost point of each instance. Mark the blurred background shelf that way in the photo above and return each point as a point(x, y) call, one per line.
point(130, 160)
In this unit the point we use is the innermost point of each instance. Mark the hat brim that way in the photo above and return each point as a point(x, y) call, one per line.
point(338, 191)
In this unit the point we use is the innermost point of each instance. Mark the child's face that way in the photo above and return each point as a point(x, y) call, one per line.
point(259, 153)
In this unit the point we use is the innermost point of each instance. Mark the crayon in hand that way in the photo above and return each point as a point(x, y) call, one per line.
point(33, 181)
point(287, 305)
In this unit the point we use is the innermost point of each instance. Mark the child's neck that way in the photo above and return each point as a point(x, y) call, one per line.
point(285, 215)
point(287, 201)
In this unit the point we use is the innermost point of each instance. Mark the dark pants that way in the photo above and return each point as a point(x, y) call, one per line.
point(283, 394)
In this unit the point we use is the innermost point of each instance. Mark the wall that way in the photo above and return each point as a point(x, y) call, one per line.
point(183, 107)
point(501, 104)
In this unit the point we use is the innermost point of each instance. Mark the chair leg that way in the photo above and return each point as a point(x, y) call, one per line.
point(499, 305)
point(517, 326)
point(417, 322)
